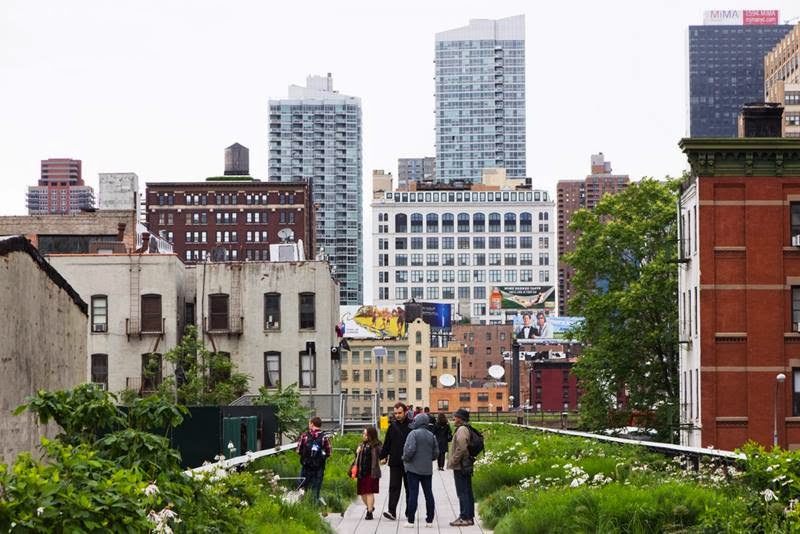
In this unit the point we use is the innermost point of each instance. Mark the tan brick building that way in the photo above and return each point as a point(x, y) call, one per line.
point(782, 80)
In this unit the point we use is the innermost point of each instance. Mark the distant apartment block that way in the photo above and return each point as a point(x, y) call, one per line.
point(726, 59)
point(224, 220)
point(415, 170)
point(60, 190)
point(574, 195)
point(480, 99)
point(315, 135)
point(782, 80)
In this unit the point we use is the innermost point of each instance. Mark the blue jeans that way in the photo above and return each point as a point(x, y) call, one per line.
point(414, 480)
point(313, 479)
point(466, 499)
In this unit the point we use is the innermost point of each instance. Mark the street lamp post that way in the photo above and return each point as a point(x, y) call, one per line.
point(379, 353)
point(779, 379)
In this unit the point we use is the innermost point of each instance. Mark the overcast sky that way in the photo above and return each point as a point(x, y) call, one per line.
point(161, 88)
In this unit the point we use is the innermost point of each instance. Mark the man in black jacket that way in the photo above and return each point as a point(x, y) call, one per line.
point(393, 445)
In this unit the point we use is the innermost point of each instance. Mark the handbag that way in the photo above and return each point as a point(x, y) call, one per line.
point(354, 471)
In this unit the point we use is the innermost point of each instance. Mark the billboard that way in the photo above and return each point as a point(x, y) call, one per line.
point(521, 298)
point(737, 17)
point(436, 314)
point(372, 322)
point(540, 326)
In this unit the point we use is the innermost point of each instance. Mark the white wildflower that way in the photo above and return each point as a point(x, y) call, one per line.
point(769, 495)
point(39, 511)
point(151, 490)
point(243, 504)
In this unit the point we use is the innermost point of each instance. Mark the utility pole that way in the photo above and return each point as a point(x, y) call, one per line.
point(515, 373)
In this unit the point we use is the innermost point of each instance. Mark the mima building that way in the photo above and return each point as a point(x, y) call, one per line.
point(480, 99)
point(315, 135)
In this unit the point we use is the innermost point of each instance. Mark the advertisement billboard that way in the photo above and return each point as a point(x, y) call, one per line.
point(760, 17)
point(540, 326)
point(737, 17)
point(372, 322)
point(436, 314)
point(521, 298)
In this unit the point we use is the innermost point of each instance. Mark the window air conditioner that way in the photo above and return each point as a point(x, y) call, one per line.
point(101, 385)
point(98, 328)
point(796, 327)
point(796, 240)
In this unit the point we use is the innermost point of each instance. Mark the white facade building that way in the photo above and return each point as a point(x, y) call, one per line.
point(275, 320)
point(459, 246)
point(689, 331)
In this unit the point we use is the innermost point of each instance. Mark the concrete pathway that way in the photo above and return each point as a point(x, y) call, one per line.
point(444, 493)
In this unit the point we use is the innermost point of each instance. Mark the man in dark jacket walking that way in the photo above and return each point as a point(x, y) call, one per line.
point(462, 464)
point(393, 445)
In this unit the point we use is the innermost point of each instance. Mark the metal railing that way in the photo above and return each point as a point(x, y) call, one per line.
point(235, 325)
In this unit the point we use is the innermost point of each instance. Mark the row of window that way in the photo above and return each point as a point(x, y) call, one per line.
point(152, 370)
point(449, 243)
point(449, 276)
point(203, 199)
point(219, 311)
point(463, 259)
point(445, 293)
point(478, 222)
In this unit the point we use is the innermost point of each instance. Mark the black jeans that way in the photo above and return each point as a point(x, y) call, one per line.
point(414, 480)
point(440, 459)
point(397, 479)
point(466, 499)
point(312, 479)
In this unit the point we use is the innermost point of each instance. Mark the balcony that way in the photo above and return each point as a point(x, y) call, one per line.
point(142, 386)
point(152, 326)
point(223, 325)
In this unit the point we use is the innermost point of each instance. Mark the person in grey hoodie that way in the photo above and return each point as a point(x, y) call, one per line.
point(419, 452)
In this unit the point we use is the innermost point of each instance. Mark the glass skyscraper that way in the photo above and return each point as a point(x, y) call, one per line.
point(726, 70)
point(315, 135)
point(480, 99)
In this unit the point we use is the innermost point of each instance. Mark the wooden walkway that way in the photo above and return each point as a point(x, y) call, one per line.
point(444, 493)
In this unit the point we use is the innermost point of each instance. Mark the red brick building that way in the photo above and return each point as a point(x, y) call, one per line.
point(230, 220)
point(739, 291)
point(61, 189)
point(482, 346)
point(573, 195)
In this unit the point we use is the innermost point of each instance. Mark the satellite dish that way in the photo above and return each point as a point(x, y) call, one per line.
point(496, 372)
point(447, 380)
point(286, 234)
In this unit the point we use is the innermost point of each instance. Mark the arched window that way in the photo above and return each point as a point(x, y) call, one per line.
point(447, 222)
point(479, 222)
point(511, 222)
point(494, 222)
point(100, 369)
point(525, 222)
point(432, 223)
point(400, 223)
point(416, 222)
point(463, 222)
point(151, 314)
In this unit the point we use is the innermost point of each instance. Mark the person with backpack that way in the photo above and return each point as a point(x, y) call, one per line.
point(314, 448)
point(368, 468)
point(467, 444)
point(392, 449)
point(444, 435)
point(418, 455)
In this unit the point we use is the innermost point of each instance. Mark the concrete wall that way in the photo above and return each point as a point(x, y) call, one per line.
point(119, 191)
point(43, 335)
point(94, 223)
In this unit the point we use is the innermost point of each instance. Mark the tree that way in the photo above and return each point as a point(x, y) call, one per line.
point(626, 288)
point(202, 377)
point(291, 414)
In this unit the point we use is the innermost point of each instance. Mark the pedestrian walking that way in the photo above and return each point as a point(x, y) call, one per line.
point(418, 454)
point(314, 449)
point(444, 435)
point(461, 462)
point(392, 449)
point(368, 468)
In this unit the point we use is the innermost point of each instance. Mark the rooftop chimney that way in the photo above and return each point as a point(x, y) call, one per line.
point(761, 119)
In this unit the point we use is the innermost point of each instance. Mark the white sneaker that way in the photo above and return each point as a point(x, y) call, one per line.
point(429, 525)
point(408, 525)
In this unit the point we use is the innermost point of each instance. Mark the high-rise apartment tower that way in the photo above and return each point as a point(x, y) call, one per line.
point(315, 135)
point(480, 99)
point(726, 58)
point(61, 189)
